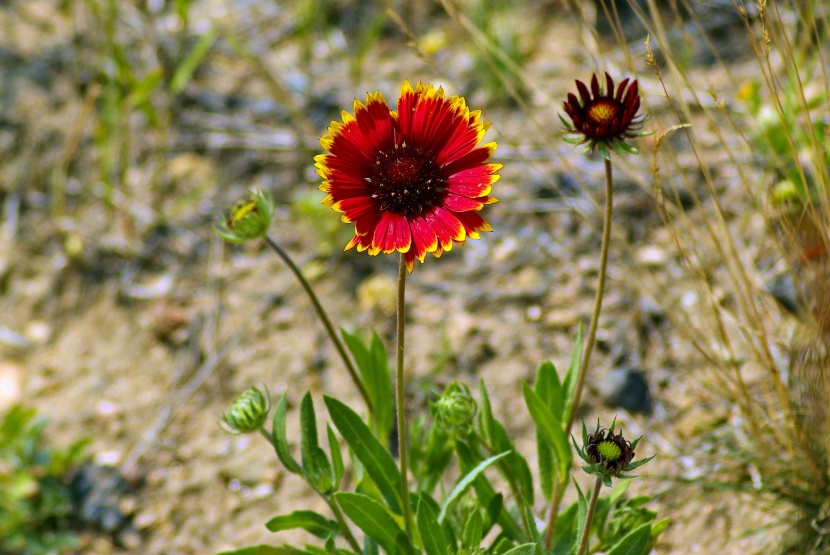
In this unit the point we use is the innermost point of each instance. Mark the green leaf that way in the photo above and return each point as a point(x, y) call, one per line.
point(373, 365)
point(379, 464)
point(432, 536)
point(308, 433)
point(549, 388)
point(381, 385)
point(659, 527)
point(618, 490)
point(581, 512)
point(524, 549)
point(323, 474)
point(486, 495)
point(571, 376)
point(494, 508)
point(485, 414)
point(259, 550)
point(551, 429)
point(466, 481)
point(473, 532)
point(336, 457)
point(546, 472)
point(309, 521)
point(188, 66)
point(278, 439)
point(371, 517)
point(565, 537)
point(635, 543)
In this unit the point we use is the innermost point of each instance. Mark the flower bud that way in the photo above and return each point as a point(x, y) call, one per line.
point(610, 455)
point(248, 218)
point(455, 410)
point(248, 413)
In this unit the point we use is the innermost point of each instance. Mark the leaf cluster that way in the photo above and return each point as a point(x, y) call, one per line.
point(470, 514)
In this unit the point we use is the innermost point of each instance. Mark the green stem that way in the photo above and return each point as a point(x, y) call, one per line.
point(592, 505)
point(589, 347)
point(400, 401)
point(556, 499)
point(344, 527)
point(321, 313)
point(603, 263)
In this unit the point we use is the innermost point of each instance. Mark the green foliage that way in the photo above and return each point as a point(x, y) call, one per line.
point(35, 499)
point(468, 509)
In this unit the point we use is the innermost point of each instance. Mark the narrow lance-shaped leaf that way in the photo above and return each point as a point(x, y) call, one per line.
point(634, 543)
point(279, 440)
point(309, 521)
point(569, 384)
point(376, 460)
point(473, 532)
point(524, 549)
point(550, 427)
point(372, 518)
point(308, 432)
point(466, 481)
point(336, 457)
point(432, 535)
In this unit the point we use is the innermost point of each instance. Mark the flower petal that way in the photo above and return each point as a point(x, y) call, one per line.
point(391, 234)
point(474, 182)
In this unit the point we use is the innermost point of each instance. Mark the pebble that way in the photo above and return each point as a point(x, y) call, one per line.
point(11, 384)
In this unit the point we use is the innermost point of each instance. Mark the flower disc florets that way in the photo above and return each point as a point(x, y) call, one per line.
point(411, 180)
point(609, 454)
point(248, 413)
point(604, 119)
point(247, 219)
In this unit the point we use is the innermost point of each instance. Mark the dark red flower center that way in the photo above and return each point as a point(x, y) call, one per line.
point(406, 181)
point(603, 112)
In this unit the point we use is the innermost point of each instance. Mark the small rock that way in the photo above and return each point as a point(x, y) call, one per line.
point(628, 389)
point(651, 256)
point(562, 318)
point(38, 332)
point(11, 385)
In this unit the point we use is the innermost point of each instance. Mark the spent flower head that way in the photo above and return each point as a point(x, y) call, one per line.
point(602, 119)
point(609, 455)
point(248, 219)
point(411, 180)
point(248, 413)
point(455, 410)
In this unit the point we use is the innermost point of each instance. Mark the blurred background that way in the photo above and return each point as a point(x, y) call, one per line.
point(127, 126)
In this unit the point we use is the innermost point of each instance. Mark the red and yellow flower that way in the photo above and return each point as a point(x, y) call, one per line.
point(412, 180)
point(602, 120)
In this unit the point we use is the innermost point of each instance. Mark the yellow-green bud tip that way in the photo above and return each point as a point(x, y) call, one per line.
point(247, 219)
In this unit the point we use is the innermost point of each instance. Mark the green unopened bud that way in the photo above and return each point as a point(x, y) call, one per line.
point(248, 413)
point(455, 410)
point(248, 218)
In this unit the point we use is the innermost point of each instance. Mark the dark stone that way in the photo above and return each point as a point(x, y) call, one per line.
point(627, 388)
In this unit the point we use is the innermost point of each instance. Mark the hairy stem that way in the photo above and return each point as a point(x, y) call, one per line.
point(603, 263)
point(589, 347)
point(403, 445)
point(321, 313)
point(592, 505)
point(344, 527)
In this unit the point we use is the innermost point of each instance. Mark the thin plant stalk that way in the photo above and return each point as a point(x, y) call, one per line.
point(603, 263)
point(321, 313)
point(589, 346)
point(592, 505)
point(344, 527)
point(400, 402)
